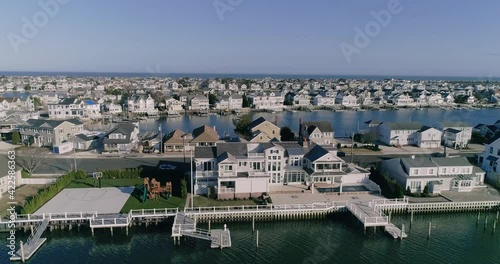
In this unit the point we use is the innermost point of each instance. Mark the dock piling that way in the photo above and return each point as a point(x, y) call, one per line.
point(494, 225)
point(411, 219)
point(429, 233)
point(22, 251)
point(402, 231)
point(253, 223)
point(257, 241)
point(209, 226)
point(478, 216)
point(485, 222)
point(497, 215)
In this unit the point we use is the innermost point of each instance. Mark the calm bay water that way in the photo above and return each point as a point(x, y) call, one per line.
point(455, 238)
point(343, 122)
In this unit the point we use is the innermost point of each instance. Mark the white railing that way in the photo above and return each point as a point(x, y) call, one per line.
point(382, 202)
point(153, 212)
point(376, 220)
point(53, 216)
point(37, 181)
point(226, 190)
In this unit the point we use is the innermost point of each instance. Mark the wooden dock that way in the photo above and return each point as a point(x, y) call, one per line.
point(395, 232)
point(33, 243)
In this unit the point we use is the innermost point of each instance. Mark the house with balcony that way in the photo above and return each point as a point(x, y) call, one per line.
point(142, 104)
point(317, 132)
point(198, 102)
point(437, 173)
point(243, 170)
point(489, 159)
point(346, 100)
point(325, 101)
point(272, 101)
point(456, 134)
point(235, 102)
point(49, 132)
point(123, 138)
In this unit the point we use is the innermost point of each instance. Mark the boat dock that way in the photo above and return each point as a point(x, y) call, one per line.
point(370, 214)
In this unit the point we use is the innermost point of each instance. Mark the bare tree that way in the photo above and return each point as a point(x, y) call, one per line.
point(31, 159)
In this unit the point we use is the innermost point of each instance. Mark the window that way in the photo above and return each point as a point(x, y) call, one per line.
point(431, 171)
point(498, 152)
point(444, 170)
point(228, 167)
point(256, 165)
point(491, 150)
point(207, 166)
point(415, 172)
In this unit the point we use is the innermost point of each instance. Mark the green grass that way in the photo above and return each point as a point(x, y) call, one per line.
point(89, 183)
point(201, 201)
point(134, 203)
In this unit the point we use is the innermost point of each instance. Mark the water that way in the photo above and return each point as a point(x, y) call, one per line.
point(246, 76)
point(455, 238)
point(344, 123)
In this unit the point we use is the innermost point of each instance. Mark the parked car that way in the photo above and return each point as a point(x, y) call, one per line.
point(341, 154)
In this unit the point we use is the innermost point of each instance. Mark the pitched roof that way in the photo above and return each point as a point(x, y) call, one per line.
point(454, 124)
point(176, 137)
point(256, 122)
point(373, 122)
point(50, 123)
point(323, 126)
point(442, 161)
point(205, 152)
point(316, 153)
point(226, 156)
point(404, 126)
point(205, 134)
point(125, 129)
point(234, 148)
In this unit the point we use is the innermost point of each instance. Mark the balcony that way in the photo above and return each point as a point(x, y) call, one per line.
point(206, 174)
point(255, 155)
point(227, 174)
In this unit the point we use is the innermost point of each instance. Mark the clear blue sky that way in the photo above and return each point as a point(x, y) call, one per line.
point(444, 38)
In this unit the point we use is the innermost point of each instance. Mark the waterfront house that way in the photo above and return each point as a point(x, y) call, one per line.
point(235, 101)
point(74, 108)
point(428, 137)
point(318, 132)
point(7, 178)
point(346, 100)
point(86, 142)
point(301, 100)
point(489, 159)
point(243, 170)
point(8, 125)
point(222, 103)
point(173, 106)
point(438, 174)
point(204, 136)
point(456, 134)
point(113, 108)
point(48, 132)
point(141, 104)
point(198, 102)
point(324, 101)
point(123, 138)
point(272, 101)
point(403, 100)
point(262, 130)
point(398, 134)
point(177, 140)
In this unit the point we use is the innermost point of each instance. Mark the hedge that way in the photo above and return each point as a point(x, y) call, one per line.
point(44, 195)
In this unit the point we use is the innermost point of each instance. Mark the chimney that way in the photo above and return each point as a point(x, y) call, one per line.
point(300, 130)
point(276, 120)
point(305, 144)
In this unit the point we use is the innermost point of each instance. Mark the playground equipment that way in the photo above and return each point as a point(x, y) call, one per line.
point(97, 178)
point(153, 189)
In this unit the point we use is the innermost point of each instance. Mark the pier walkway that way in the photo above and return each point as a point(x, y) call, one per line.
point(370, 214)
point(186, 226)
point(33, 243)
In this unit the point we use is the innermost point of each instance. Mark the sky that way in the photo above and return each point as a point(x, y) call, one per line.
point(422, 38)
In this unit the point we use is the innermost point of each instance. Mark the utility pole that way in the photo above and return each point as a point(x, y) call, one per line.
point(161, 139)
point(352, 147)
point(192, 182)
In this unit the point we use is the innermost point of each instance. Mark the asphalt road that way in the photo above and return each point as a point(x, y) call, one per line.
point(61, 165)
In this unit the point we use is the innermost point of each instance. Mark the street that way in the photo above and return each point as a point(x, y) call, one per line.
point(58, 165)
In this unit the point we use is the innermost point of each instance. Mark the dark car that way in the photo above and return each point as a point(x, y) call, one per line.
point(341, 154)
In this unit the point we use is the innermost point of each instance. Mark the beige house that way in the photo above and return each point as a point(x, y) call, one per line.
point(47, 132)
point(262, 130)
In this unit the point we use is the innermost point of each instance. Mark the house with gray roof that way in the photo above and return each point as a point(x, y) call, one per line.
point(318, 132)
point(408, 133)
point(123, 138)
point(6, 175)
point(437, 173)
point(242, 170)
point(489, 159)
point(49, 132)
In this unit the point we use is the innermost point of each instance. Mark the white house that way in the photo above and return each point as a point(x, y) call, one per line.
point(398, 134)
point(173, 106)
point(235, 101)
point(456, 134)
point(347, 100)
point(113, 108)
point(429, 137)
point(438, 174)
point(142, 104)
point(489, 159)
point(318, 132)
point(122, 139)
point(320, 100)
point(272, 101)
point(198, 102)
point(403, 100)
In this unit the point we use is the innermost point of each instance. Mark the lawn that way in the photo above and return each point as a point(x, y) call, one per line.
point(134, 203)
point(89, 183)
point(201, 201)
